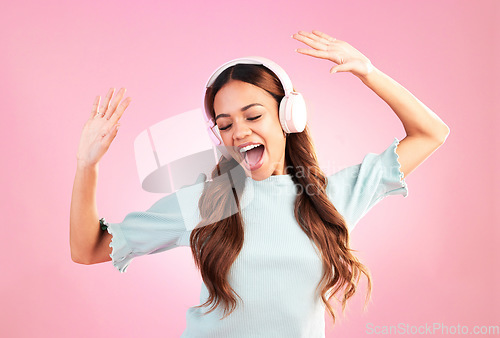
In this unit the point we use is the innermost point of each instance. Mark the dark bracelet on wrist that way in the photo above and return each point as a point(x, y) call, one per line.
point(104, 224)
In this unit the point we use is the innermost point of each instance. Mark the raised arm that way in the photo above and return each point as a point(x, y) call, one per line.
point(424, 129)
point(88, 243)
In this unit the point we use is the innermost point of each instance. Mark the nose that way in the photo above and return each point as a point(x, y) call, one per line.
point(240, 130)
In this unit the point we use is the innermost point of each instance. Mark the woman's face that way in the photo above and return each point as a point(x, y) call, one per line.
point(247, 114)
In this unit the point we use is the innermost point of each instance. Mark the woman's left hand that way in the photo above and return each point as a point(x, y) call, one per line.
point(348, 58)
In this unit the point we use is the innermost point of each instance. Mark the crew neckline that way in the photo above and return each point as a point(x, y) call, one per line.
point(286, 178)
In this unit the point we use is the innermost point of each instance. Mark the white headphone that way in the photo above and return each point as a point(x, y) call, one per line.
point(292, 109)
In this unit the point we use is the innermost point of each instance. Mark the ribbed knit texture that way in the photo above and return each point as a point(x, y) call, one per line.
point(278, 268)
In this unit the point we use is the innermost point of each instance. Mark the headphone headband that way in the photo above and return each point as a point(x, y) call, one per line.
point(249, 60)
point(256, 60)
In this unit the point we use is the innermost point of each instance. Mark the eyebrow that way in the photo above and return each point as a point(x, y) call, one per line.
point(242, 109)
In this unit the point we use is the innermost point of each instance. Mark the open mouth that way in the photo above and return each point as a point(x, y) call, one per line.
point(253, 157)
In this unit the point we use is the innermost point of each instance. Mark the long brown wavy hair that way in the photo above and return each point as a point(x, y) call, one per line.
point(217, 240)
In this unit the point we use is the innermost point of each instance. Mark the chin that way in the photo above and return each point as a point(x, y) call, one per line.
point(260, 174)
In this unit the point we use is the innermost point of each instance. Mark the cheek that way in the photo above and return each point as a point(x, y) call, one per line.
point(277, 139)
point(273, 126)
point(226, 137)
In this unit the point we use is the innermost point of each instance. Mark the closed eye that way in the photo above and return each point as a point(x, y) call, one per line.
point(250, 118)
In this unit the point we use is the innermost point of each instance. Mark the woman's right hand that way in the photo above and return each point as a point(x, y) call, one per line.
point(101, 128)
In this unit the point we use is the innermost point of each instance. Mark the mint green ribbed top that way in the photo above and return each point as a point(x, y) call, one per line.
point(278, 268)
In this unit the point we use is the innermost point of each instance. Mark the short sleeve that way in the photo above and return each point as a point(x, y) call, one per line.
point(162, 227)
point(358, 188)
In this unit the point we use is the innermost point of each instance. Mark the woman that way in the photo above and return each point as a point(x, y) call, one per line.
point(271, 238)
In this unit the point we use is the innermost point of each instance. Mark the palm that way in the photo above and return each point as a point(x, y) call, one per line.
point(92, 143)
point(348, 58)
point(101, 128)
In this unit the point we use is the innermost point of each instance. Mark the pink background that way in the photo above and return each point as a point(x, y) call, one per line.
point(434, 256)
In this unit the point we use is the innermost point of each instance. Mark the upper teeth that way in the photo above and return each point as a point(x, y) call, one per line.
point(247, 148)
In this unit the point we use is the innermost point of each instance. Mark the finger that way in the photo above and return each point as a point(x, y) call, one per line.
point(114, 104)
point(310, 42)
point(313, 52)
point(120, 110)
point(114, 131)
point(324, 36)
point(95, 107)
point(105, 103)
point(341, 68)
point(315, 37)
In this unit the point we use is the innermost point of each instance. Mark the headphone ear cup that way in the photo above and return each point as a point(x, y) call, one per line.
point(282, 114)
point(293, 113)
point(217, 140)
point(215, 135)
